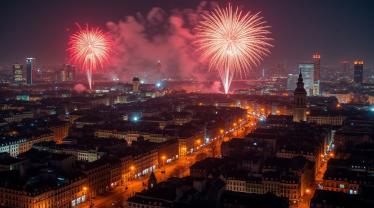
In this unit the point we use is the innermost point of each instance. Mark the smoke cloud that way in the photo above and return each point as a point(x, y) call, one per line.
point(158, 45)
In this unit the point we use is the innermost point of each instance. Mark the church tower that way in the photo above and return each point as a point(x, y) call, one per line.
point(135, 84)
point(299, 103)
point(152, 181)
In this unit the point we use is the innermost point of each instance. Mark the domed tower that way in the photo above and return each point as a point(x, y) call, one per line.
point(299, 104)
point(135, 84)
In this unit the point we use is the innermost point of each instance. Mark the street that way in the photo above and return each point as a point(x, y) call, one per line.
point(177, 168)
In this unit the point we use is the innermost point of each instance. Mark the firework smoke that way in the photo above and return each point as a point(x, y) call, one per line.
point(142, 41)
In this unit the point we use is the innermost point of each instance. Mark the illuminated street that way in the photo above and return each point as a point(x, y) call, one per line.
point(178, 168)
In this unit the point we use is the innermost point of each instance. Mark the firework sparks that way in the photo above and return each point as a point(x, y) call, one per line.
point(233, 42)
point(89, 49)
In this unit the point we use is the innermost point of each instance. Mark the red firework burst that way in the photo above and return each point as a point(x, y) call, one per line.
point(89, 49)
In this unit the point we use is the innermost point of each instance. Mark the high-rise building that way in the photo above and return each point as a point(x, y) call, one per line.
point(299, 105)
point(317, 66)
point(307, 70)
point(135, 84)
point(358, 72)
point(29, 65)
point(317, 73)
point(291, 81)
point(17, 73)
point(67, 73)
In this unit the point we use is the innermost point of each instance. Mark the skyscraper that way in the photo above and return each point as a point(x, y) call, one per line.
point(358, 71)
point(299, 105)
point(17, 73)
point(307, 70)
point(317, 66)
point(291, 81)
point(317, 73)
point(29, 65)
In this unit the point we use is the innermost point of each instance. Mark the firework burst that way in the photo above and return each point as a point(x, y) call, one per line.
point(89, 49)
point(234, 42)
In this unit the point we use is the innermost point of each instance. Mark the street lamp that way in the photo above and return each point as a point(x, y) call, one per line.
point(198, 142)
point(85, 191)
point(163, 157)
point(132, 169)
point(183, 151)
point(307, 191)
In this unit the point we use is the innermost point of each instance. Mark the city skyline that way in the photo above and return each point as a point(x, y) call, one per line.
point(186, 104)
point(337, 30)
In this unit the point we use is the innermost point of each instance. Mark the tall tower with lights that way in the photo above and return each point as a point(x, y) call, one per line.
point(29, 65)
point(299, 104)
point(135, 84)
point(317, 73)
point(317, 66)
point(358, 72)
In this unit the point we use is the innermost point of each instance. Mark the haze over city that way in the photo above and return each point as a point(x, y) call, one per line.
point(340, 30)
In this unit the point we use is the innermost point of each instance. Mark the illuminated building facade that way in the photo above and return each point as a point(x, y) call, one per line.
point(67, 73)
point(291, 81)
point(17, 73)
point(65, 195)
point(290, 187)
point(307, 71)
point(60, 131)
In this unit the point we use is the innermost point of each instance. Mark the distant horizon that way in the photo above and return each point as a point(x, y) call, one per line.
point(338, 30)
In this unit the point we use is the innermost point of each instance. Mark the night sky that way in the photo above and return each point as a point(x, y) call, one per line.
point(339, 29)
